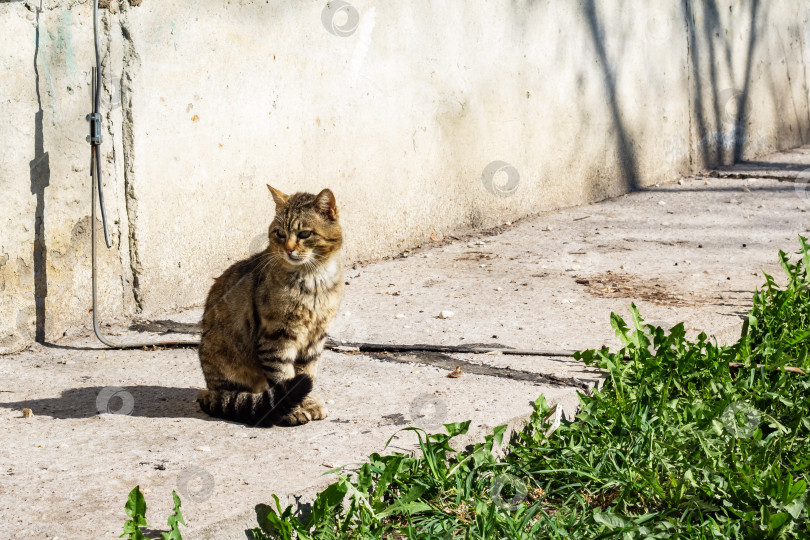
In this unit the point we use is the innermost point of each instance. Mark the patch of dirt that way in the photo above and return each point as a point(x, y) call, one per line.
point(655, 290)
point(476, 256)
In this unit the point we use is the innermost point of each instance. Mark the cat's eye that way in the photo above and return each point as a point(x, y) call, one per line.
point(280, 233)
point(304, 234)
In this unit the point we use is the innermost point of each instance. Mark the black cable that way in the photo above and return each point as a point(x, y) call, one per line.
point(96, 185)
point(471, 349)
point(97, 118)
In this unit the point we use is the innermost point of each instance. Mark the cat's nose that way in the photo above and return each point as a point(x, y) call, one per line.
point(293, 254)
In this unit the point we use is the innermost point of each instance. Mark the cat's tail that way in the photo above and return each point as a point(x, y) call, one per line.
point(263, 409)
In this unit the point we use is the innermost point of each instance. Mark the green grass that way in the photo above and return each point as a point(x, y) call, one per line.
point(136, 511)
point(676, 444)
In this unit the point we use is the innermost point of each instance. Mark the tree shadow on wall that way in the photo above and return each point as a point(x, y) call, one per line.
point(627, 157)
point(714, 107)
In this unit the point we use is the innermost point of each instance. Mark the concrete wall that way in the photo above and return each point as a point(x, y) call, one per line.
point(207, 101)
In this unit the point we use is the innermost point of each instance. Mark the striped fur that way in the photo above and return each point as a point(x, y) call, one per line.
point(266, 317)
point(257, 409)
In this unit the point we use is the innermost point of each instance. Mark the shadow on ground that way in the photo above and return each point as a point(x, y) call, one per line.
point(143, 401)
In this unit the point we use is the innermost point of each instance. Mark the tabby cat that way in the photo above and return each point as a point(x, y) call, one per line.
point(265, 319)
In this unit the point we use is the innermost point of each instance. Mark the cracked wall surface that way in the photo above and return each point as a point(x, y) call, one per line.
point(406, 116)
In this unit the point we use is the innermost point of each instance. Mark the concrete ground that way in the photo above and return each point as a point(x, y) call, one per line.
point(691, 251)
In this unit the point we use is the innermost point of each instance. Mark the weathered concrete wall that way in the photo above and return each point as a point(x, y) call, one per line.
point(44, 177)
point(402, 118)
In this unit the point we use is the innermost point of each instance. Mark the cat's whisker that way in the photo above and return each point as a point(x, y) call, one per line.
point(269, 260)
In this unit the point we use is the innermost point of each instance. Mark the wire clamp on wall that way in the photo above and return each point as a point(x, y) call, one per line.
point(95, 128)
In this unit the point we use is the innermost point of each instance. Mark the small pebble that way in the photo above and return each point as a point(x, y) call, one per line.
point(399, 316)
point(662, 203)
point(446, 314)
point(203, 449)
point(27, 413)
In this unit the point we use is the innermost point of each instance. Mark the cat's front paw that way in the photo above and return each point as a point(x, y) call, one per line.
point(312, 408)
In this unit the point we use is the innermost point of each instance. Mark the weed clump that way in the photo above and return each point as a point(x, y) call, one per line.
point(686, 439)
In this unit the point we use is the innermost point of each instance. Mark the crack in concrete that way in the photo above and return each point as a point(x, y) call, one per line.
point(448, 362)
point(435, 359)
point(689, 89)
point(763, 176)
point(131, 66)
point(106, 24)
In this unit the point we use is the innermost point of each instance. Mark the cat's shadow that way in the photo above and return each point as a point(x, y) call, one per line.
point(140, 401)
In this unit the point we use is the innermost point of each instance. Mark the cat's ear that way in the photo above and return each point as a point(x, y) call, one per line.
point(278, 196)
point(326, 205)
